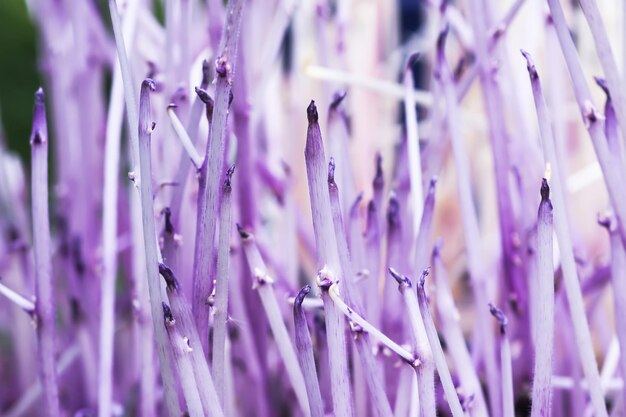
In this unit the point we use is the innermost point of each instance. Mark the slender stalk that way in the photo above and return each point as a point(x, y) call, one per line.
point(304, 347)
point(452, 333)
point(570, 275)
point(214, 159)
point(508, 409)
point(610, 124)
point(181, 311)
point(438, 355)
point(361, 340)
point(183, 162)
point(372, 250)
point(610, 171)
point(220, 307)
point(473, 241)
point(264, 287)
point(603, 47)
point(109, 220)
point(422, 244)
point(426, 370)
point(184, 138)
point(412, 137)
point(18, 299)
point(327, 258)
point(420, 97)
point(45, 305)
point(145, 127)
point(544, 346)
point(327, 283)
point(618, 268)
point(181, 354)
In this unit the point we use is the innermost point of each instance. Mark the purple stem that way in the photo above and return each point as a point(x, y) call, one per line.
point(327, 258)
point(45, 306)
point(213, 161)
point(614, 80)
point(570, 273)
point(145, 128)
point(361, 339)
point(544, 345)
point(508, 409)
point(220, 308)
point(304, 348)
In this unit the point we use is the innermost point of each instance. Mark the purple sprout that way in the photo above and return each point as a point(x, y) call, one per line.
point(129, 292)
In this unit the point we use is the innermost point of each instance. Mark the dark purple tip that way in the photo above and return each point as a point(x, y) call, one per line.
point(603, 85)
point(403, 281)
point(500, 316)
point(331, 172)
point(39, 133)
point(167, 314)
point(411, 60)
point(379, 179)
point(422, 278)
point(168, 276)
point(242, 232)
point(149, 84)
point(545, 190)
point(229, 177)
point(337, 99)
point(311, 113)
point(393, 211)
point(530, 64)
point(169, 227)
point(354, 208)
point(304, 291)
point(441, 41)
point(206, 72)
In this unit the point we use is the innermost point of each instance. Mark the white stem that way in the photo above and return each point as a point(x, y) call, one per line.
point(184, 138)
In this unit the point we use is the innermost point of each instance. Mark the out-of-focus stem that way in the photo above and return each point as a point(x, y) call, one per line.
point(18, 299)
point(144, 130)
point(618, 269)
point(110, 208)
point(438, 354)
point(453, 335)
point(184, 138)
point(473, 242)
point(304, 347)
point(425, 228)
point(264, 286)
point(508, 409)
point(570, 274)
point(610, 125)
point(45, 306)
point(426, 370)
point(214, 158)
point(183, 163)
point(412, 137)
point(327, 258)
point(220, 307)
point(607, 59)
point(542, 390)
point(610, 171)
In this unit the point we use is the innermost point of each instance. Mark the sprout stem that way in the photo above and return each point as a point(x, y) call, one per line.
point(438, 355)
point(19, 300)
point(426, 371)
point(184, 138)
point(570, 275)
point(45, 305)
point(508, 409)
point(306, 358)
point(220, 308)
point(214, 159)
point(264, 287)
point(544, 344)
